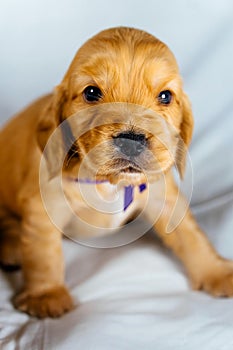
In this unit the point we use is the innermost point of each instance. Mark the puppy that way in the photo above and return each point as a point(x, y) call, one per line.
point(125, 93)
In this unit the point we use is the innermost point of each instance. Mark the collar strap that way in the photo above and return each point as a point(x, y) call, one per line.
point(128, 194)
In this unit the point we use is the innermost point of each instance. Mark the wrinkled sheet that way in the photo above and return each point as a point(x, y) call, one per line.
point(136, 296)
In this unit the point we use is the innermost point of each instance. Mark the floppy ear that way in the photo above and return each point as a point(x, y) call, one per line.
point(48, 130)
point(186, 131)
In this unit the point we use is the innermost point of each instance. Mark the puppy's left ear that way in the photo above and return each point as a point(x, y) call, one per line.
point(186, 131)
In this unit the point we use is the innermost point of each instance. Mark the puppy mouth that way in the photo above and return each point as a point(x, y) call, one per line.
point(123, 166)
point(128, 166)
point(130, 170)
point(126, 170)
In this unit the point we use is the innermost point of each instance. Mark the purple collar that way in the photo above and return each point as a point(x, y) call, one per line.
point(128, 195)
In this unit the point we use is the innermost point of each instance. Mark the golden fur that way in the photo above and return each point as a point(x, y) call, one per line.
point(131, 67)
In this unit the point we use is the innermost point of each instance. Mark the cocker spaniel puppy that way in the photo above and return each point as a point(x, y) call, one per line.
point(118, 122)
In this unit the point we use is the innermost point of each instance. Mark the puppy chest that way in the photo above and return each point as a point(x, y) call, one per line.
point(104, 204)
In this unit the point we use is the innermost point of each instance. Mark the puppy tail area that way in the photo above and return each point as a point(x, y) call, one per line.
point(10, 252)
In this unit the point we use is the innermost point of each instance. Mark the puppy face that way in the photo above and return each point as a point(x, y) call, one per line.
point(124, 86)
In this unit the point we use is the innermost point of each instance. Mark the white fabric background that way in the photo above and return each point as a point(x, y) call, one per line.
point(135, 296)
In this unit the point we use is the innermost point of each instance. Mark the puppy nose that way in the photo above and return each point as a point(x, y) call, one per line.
point(130, 144)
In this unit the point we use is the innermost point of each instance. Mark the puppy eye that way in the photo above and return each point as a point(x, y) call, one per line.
point(165, 97)
point(92, 94)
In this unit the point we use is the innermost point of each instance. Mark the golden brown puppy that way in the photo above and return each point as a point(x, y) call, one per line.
point(136, 70)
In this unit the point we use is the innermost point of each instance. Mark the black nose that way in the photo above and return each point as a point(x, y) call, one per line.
point(130, 144)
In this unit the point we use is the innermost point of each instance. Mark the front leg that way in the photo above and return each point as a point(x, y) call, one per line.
point(206, 269)
point(44, 293)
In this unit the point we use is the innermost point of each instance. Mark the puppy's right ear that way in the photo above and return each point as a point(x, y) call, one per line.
point(48, 130)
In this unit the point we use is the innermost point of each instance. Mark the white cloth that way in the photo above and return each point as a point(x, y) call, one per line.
point(136, 296)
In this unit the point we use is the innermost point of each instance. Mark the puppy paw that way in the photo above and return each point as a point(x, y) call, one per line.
point(218, 281)
point(50, 303)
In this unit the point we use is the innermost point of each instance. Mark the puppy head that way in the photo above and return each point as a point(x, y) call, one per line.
point(125, 88)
